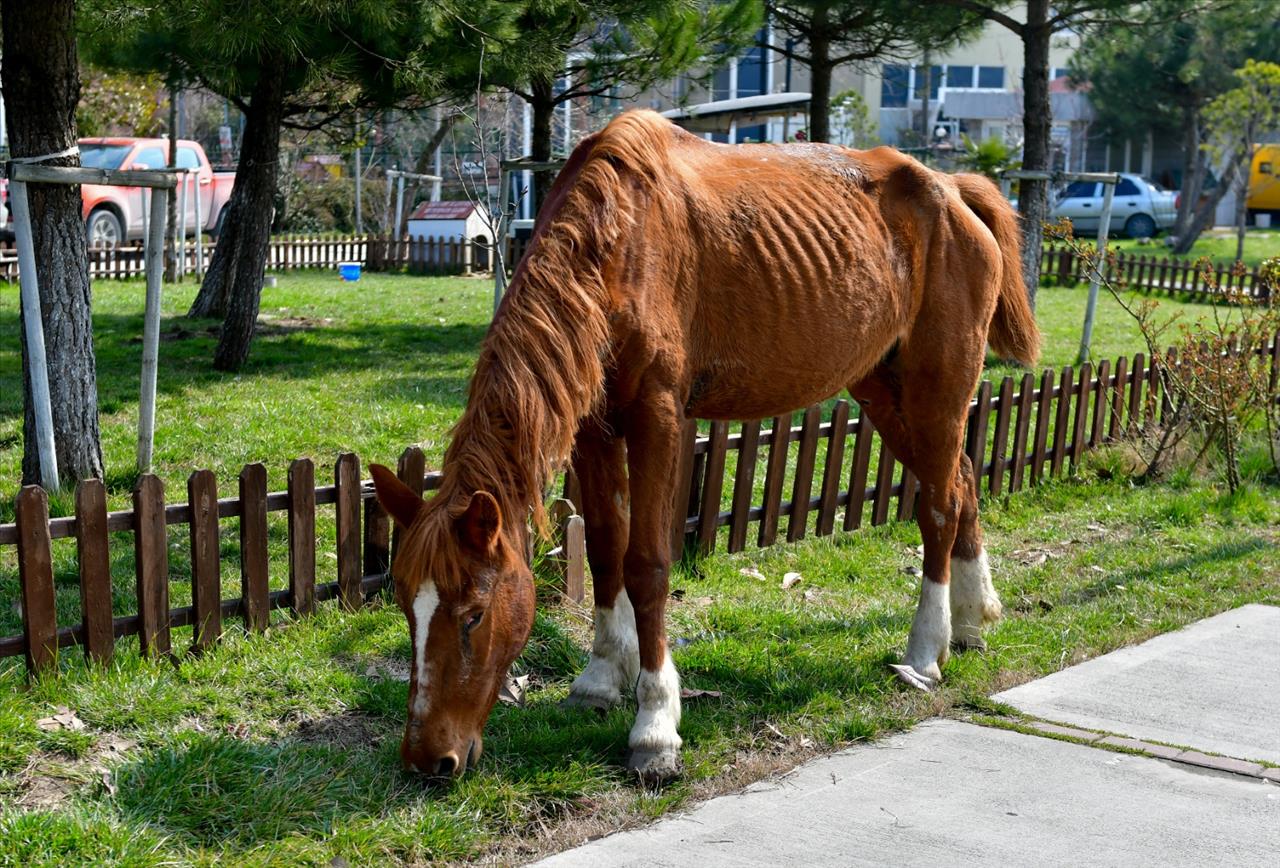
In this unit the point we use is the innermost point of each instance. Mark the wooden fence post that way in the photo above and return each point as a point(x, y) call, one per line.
point(346, 474)
point(377, 538)
point(206, 578)
point(744, 478)
point(35, 574)
point(94, 556)
point(884, 485)
point(712, 488)
point(1000, 442)
point(1021, 428)
point(151, 561)
point(411, 469)
point(1062, 420)
point(834, 463)
point(302, 536)
point(1103, 384)
point(802, 485)
point(1084, 385)
point(684, 486)
point(858, 472)
point(254, 594)
point(1044, 407)
point(775, 470)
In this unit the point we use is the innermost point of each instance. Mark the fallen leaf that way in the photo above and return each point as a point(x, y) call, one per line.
point(753, 573)
point(790, 580)
point(688, 693)
point(1097, 569)
point(513, 690)
point(63, 718)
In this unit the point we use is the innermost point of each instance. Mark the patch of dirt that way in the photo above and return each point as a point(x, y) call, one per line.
point(49, 779)
point(348, 730)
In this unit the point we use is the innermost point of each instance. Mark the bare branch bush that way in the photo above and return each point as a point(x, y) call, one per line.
point(1216, 380)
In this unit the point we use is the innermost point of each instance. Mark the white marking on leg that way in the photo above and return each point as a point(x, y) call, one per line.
point(615, 655)
point(424, 607)
point(929, 641)
point(974, 601)
point(658, 717)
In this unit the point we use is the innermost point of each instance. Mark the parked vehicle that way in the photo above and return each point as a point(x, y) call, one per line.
point(114, 215)
point(1139, 207)
point(1264, 183)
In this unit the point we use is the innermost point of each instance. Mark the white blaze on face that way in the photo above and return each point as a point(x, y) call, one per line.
point(424, 607)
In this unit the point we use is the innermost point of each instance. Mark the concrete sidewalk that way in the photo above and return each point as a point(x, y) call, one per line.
point(951, 792)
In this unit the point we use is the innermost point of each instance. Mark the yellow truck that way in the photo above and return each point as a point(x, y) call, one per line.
point(1264, 183)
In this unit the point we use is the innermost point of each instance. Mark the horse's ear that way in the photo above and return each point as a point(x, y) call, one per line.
point(400, 501)
point(479, 526)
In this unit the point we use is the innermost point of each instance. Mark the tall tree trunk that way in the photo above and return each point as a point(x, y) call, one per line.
point(820, 85)
point(1242, 207)
point(543, 106)
point(1192, 169)
point(171, 250)
point(41, 81)
point(1202, 216)
point(1037, 123)
point(233, 283)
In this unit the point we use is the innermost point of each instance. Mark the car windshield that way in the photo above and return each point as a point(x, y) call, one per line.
point(103, 156)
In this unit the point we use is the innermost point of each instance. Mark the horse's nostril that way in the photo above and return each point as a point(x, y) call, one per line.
point(447, 764)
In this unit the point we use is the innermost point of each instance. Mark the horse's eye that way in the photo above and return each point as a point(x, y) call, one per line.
point(472, 621)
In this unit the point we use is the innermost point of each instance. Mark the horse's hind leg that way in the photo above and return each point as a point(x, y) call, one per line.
point(974, 601)
point(599, 458)
point(925, 431)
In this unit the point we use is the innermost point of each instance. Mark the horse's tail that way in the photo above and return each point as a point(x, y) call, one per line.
point(1013, 333)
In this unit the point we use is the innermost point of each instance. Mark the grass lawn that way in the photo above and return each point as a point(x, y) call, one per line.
point(281, 749)
point(1217, 244)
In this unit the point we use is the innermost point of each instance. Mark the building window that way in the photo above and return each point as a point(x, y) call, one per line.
point(991, 77)
point(894, 83)
point(720, 85)
point(935, 82)
point(959, 77)
point(751, 70)
point(1060, 72)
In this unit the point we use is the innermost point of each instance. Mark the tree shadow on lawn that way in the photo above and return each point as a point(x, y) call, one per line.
point(290, 353)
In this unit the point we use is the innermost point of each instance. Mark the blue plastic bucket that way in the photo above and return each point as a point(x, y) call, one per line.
point(350, 271)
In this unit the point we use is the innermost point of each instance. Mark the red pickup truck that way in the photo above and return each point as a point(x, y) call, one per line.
point(114, 215)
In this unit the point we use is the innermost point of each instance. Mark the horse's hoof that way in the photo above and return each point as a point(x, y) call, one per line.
point(601, 704)
point(913, 678)
point(971, 643)
point(654, 767)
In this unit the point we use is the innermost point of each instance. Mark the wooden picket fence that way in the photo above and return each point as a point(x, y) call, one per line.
point(1018, 433)
point(364, 544)
point(1151, 273)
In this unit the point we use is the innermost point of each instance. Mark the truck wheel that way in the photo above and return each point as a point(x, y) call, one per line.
point(1139, 226)
point(103, 229)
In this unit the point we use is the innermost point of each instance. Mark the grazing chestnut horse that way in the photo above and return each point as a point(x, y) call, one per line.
point(670, 278)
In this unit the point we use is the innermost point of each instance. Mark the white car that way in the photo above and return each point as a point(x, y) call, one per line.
point(1139, 208)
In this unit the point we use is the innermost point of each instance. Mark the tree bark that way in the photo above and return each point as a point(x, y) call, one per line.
point(41, 81)
point(1193, 167)
point(1037, 123)
point(1203, 214)
point(171, 209)
point(820, 99)
point(1242, 207)
point(543, 106)
point(233, 284)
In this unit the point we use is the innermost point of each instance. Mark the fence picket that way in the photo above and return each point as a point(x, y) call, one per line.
point(1062, 420)
point(1117, 398)
point(151, 564)
point(411, 470)
point(775, 469)
point(979, 415)
point(744, 478)
point(907, 491)
point(802, 485)
point(712, 488)
point(1103, 383)
point(346, 475)
point(1136, 380)
point(94, 557)
point(254, 594)
point(35, 575)
point(206, 578)
point(377, 538)
point(884, 485)
point(1021, 428)
point(1083, 387)
point(1044, 405)
point(1000, 441)
point(831, 475)
point(302, 536)
point(858, 469)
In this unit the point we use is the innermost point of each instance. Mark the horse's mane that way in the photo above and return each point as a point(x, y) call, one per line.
point(542, 364)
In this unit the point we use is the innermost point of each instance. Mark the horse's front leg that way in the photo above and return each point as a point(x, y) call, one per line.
point(599, 458)
point(653, 440)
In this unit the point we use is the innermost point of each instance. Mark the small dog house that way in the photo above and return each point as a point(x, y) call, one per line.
point(450, 222)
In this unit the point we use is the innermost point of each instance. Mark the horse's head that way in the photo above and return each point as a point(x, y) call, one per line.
point(464, 585)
